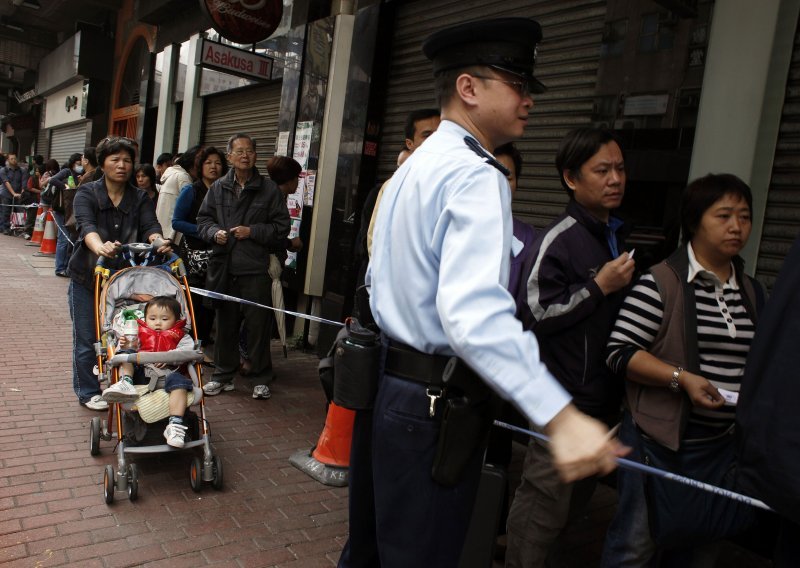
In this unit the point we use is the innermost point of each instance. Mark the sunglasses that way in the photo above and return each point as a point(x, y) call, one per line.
point(114, 139)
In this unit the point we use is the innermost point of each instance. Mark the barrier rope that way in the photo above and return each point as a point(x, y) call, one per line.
point(654, 471)
point(63, 232)
point(218, 296)
point(621, 462)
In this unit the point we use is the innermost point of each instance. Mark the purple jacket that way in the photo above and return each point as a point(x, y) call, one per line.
point(525, 234)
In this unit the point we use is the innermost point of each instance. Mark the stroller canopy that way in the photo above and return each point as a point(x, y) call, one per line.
point(133, 285)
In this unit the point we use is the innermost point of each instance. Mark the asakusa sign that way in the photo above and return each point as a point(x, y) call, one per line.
point(236, 61)
point(244, 21)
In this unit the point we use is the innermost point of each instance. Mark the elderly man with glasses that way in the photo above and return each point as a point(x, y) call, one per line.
point(244, 215)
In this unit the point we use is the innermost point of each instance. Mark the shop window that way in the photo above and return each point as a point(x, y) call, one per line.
point(657, 32)
point(614, 38)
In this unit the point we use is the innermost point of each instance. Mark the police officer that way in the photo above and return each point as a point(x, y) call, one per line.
point(437, 277)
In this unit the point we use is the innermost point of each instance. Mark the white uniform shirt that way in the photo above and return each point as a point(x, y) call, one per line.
point(439, 269)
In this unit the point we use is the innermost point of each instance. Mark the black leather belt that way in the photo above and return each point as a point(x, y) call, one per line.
point(412, 365)
point(408, 363)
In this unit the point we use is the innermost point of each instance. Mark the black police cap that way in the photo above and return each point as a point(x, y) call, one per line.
point(505, 43)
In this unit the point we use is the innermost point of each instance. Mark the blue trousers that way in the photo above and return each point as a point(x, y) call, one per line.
point(63, 248)
point(418, 522)
point(5, 213)
point(81, 311)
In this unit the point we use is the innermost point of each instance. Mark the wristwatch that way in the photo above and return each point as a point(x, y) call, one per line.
point(674, 385)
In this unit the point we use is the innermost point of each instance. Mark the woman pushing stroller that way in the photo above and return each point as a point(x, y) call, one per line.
point(162, 329)
point(110, 212)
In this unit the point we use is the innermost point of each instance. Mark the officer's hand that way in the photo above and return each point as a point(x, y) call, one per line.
point(581, 446)
point(615, 274)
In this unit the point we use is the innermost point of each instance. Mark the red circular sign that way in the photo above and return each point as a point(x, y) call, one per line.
point(244, 21)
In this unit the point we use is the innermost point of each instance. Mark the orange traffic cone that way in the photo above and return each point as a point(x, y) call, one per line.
point(328, 461)
point(49, 238)
point(38, 227)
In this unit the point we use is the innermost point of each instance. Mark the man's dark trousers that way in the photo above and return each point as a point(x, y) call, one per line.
point(257, 324)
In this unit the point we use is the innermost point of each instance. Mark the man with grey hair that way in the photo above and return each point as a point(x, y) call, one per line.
point(244, 215)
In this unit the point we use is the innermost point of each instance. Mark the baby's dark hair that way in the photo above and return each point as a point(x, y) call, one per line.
point(166, 302)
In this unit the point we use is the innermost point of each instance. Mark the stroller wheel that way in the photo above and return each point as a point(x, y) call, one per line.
point(216, 481)
point(133, 482)
point(94, 436)
point(196, 475)
point(108, 485)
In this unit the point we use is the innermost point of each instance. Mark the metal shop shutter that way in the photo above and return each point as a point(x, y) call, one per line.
point(252, 111)
point(782, 217)
point(66, 141)
point(568, 60)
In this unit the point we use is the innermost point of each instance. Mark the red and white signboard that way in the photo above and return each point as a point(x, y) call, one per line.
point(244, 21)
point(235, 61)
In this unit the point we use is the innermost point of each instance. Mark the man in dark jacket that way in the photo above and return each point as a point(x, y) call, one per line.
point(13, 182)
point(572, 281)
point(245, 216)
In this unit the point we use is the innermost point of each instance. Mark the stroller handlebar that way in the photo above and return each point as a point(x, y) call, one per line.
point(136, 249)
point(171, 357)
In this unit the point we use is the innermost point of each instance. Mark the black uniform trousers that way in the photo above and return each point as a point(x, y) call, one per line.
point(418, 522)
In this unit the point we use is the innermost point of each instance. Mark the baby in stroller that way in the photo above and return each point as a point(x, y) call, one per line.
point(162, 329)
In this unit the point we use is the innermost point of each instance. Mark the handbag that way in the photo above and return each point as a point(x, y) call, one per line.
point(196, 260)
point(681, 516)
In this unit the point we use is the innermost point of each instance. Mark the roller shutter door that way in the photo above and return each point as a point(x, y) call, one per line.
point(567, 62)
point(252, 111)
point(782, 217)
point(67, 140)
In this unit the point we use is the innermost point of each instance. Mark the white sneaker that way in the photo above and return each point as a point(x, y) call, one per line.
point(121, 391)
point(175, 434)
point(215, 387)
point(261, 392)
point(96, 403)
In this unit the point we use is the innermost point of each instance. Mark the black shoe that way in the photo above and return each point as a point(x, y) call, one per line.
point(62, 274)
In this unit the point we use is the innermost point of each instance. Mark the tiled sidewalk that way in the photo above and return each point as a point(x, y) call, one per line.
point(52, 511)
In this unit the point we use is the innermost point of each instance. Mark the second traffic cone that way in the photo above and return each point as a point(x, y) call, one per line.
point(49, 238)
point(38, 227)
point(329, 460)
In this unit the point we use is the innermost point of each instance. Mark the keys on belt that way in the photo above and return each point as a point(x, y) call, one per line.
point(434, 394)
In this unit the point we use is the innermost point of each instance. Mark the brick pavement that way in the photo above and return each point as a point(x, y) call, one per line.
point(52, 511)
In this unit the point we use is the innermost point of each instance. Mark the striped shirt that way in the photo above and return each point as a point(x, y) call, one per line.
point(724, 334)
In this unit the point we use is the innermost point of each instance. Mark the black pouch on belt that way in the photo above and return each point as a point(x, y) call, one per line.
point(465, 425)
point(355, 364)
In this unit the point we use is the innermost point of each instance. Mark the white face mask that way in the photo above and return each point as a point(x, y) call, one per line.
point(78, 169)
